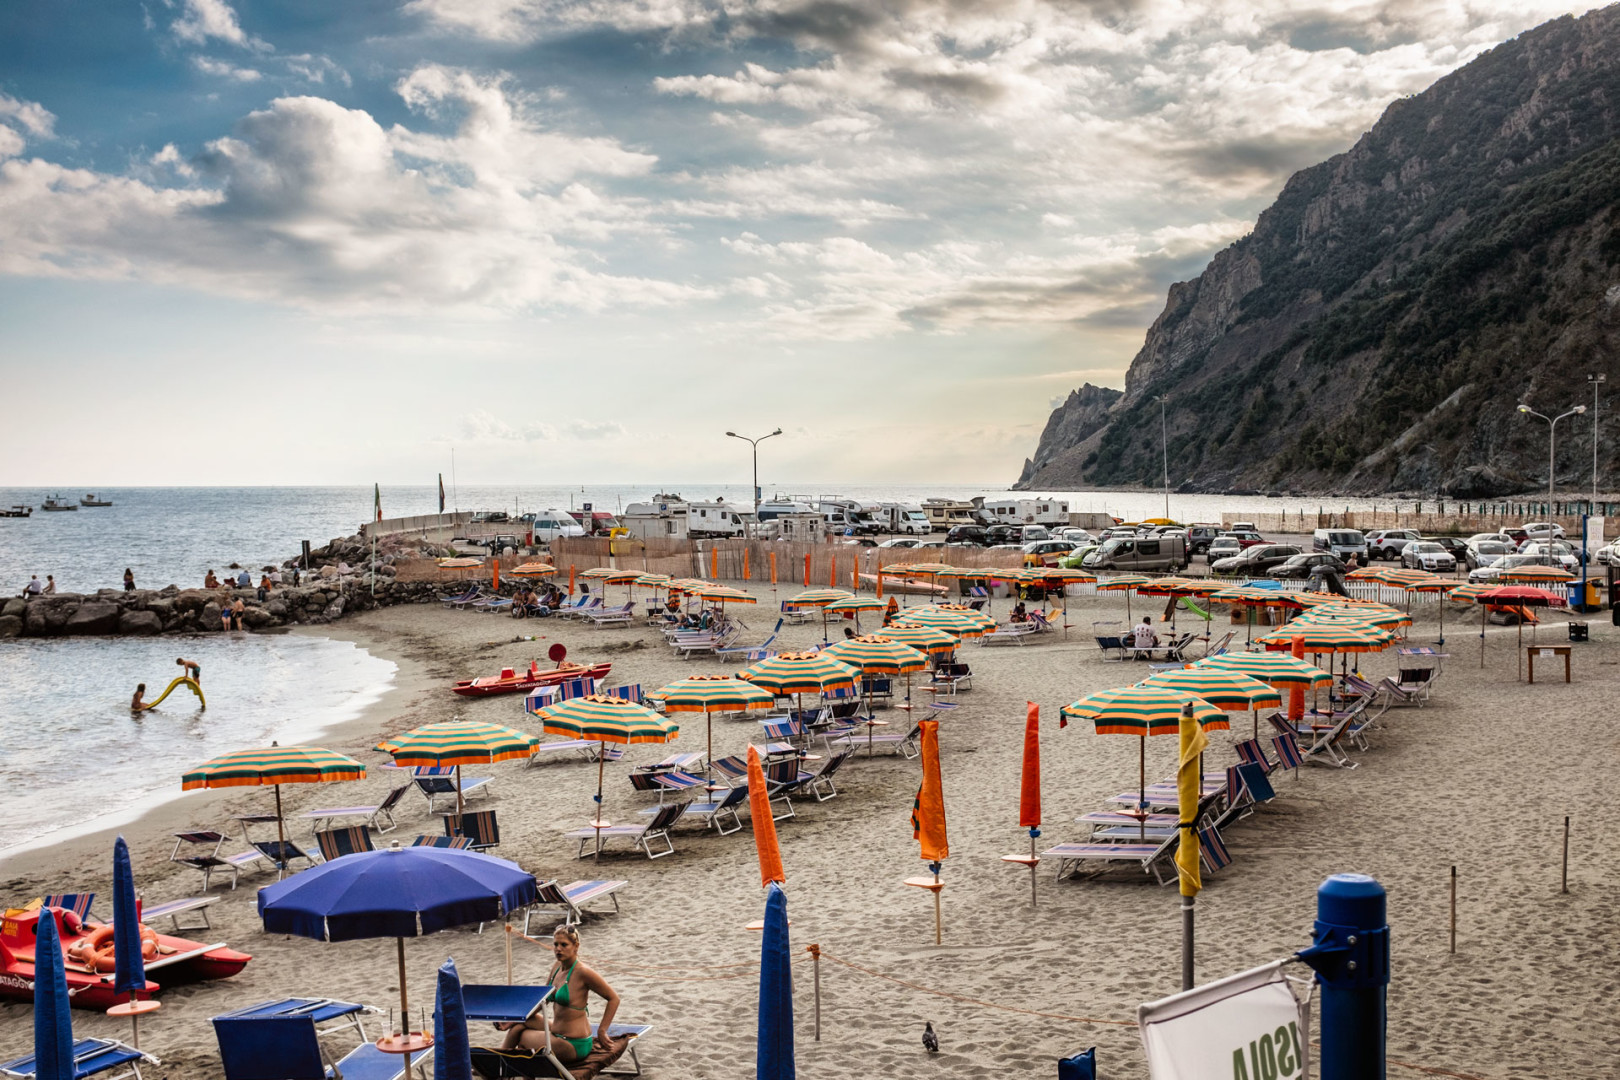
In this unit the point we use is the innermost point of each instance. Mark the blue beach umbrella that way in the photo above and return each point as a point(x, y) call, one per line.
point(775, 1055)
point(452, 1052)
point(129, 973)
point(53, 1023)
point(398, 893)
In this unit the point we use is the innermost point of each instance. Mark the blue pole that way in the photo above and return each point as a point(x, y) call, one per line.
point(1350, 955)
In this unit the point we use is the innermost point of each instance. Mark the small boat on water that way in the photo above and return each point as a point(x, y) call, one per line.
point(91, 500)
point(56, 502)
point(517, 682)
point(87, 953)
point(17, 511)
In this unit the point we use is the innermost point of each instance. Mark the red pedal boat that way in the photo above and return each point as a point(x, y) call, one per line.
point(87, 953)
point(519, 682)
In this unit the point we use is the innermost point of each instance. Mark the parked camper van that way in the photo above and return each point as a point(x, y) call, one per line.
point(781, 505)
point(705, 520)
point(946, 514)
point(551, 523)
point(1139, 554)
point(1038, 511)
point(904, 518)
point(1340, 542)
point(844, 515)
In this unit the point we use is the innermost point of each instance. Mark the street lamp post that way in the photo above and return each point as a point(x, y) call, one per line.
point(1164, 446)
point(754, 444)
point(1552, 433)
point(1596, 381)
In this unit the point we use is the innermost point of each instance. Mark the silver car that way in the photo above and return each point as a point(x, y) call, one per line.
point(1427, 555)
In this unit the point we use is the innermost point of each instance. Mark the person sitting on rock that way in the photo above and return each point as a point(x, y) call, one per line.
point(244, 580)
point(210, 582)
point(50, 584)
point(264, 587)
point(33, 588)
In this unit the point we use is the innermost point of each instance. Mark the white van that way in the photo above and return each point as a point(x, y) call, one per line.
point(906, 519)
point(551, 523)
point(1340, 542)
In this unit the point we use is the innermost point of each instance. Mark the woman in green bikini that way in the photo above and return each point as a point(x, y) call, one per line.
point(570, 1028)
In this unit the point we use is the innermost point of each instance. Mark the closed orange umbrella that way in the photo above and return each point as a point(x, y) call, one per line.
point(1029, 792)
point(759, 810)
point(928, 817)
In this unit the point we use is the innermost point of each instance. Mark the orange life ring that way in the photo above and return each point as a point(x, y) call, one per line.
point(97, 951)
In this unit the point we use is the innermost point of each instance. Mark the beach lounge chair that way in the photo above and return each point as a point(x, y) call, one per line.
point(664, 782)
point(640, 836)
point(210, 861)
point(782, 778)
point(479, 827)
point(282, 853)
point(586, 605)
point(437, 781)
point(1406, 693)
point(1288, 754)
point(616, 616)
point(1324, 740)
point(287, 1047)
point(330, 1015)
point(786, 729)
point(373, 815)
point(1151, 857)
point(796, 616)
point(1212, 849)
point(173, 909)
point(492, 604)
point(1247, 787)
point(686, 762)
point(710, 643)
point(1043, 622)
point(820, 783)
point(721, 811)
point(547, 751)
point(751, 653)
point(78, 903)
point(91, 1057)
point(1249, 751)
point(731, 769)
point(336, 843)
point(907, 745)
point(492, 1062)
point(628, 692)
point(1011, 633)
point(466, 597)
point(948, 678)
point(571, 899)
point(877, 687)
point(1221, 644)
point(458, 843)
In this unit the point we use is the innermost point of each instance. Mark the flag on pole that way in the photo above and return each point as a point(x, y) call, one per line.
point(376, 495)
point(441, 493)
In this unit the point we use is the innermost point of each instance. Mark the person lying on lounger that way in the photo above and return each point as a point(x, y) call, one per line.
point(570, 1028)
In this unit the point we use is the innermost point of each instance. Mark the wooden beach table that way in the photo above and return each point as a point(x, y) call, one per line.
point(1548, 652)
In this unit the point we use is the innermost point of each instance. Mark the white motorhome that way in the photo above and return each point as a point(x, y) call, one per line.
point(846, 515)
point(907, 519)
point(781, 505)
point(710, 520)
point(647, 520)
point(946, 514)
point(671, 515)
point(1008, 510)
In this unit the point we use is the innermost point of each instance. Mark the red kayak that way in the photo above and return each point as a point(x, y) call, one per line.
point(516, 682)
point(87, 958)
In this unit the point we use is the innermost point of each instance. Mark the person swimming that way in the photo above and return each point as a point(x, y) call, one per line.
point(571, 1037)
point(135, 703)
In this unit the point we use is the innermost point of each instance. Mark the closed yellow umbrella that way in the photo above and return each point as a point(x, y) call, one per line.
point(1189, 788)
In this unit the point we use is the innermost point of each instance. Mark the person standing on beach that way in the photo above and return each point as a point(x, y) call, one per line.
point(129, 580)
point(193, 669)
point(135, 703)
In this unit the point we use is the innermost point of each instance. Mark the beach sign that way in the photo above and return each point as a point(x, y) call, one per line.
point(1247, 1026)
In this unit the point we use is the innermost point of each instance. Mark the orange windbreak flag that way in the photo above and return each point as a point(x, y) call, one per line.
point(773, 568)
point(495, 581)
point(832, 571)
point(1296, 692)
point(807, 569)
point(759, 810)
point(928, 812)
point(855, 576)
point(570, 579)
point(746, 576)
point(879, 575)
point(714, 564)
point(1029, 792)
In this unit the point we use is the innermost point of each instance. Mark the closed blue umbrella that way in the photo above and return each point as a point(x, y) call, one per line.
point(53, 1023)
point(774, 1060)
point(398, 893)
point(129, 974)
point(452, 1052)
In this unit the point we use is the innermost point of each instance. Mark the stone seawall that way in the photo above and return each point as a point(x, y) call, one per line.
point(185, 611)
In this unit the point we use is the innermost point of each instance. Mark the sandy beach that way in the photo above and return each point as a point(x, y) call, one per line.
point(1481, 779)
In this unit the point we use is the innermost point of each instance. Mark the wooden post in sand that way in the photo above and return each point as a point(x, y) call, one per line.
point(815, 963)
point(1454, 909)
point(1565, 886)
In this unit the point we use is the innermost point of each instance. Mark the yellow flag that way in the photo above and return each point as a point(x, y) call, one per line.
point(1189, 786)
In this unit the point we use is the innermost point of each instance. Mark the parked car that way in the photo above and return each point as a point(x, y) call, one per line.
point(1076, 559)
point(1428, 555)
point(1046, 552)
point(1559, 548)
point(1074, 536)
point(1199, 537)
point(899, 542)
point(977, 535)
point(1457, 549)
point(1003, 534)
point(1139, 554)
point(1301, 565)
point(1543, 530)
point(1499, 536)
point(1387, 543)
point(1508, 562)
point(1223, 547)
point(1255, 561)
point(1486, 552)
point(1246, 538)
point(1609, 555)
point(1340, 542)
point(1515, 534)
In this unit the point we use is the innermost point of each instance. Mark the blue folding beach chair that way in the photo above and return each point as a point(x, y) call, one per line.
point(91, 1057)
point(287, 1047)
point(76, 902)
point(1251, 752)
point(1288, 755)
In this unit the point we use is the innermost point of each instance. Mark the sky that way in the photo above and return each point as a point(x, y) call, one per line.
point(256, 242)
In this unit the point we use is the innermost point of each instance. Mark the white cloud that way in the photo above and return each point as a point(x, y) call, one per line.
point(31, 116)
point(226, 70)
point(483, 426)
point(205, 20)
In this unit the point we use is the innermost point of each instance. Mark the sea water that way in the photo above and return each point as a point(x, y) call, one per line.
point(73, 757)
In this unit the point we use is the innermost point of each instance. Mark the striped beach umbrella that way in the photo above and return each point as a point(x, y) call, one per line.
point(1327, 637)
point(1275, 668)
point(1126, 583)
point(1368, 573)
point(1380, 615)
point(1308, 599)
point(1169, 585)
point(710, 694)
point(603, 719)
point(1143, 711)
point(856, 604)
point(926, 569)
point(875, 654)
point(458, 743)
point(817, 598)
point(273, 766)
point(925, 639)
point(652, 581)
point(533, 569)
point(1465, 594)
point(725, 594)
point(1536, 573)
point(1227, 690)
point(801, 673)
point(1249, 596)
point(961, 621)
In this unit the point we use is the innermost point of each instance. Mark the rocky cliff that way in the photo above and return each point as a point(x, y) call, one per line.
point(1377, 329)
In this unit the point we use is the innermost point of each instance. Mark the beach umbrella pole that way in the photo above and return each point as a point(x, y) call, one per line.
point(460, 803)
point(281, 839)
point(601, 764)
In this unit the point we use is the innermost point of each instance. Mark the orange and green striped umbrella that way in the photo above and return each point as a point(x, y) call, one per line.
point(1466, 594)
point(926, 569)
point(711, 694)
point(1125, 581)
point(1064, 574)
point(600, 718)
point(533, 569)
point(1382, 616)
point(970, 573)
point(1230, 691)
point(856, 603)
point(1326, 637)
point(1536, 573)
point(1168, 586)
point(459, 742)
point(652, 581)
point(1406, 578)
point(963, 622)
point(1143, 710)
point(1317, 599)
point(876, 654)
point(1250, 596)
point(801, 673)
point(816, 598)
point(1277, 669)
point(725, 594)
point(1368, 573)
point(922, 638)
point(273, 766)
